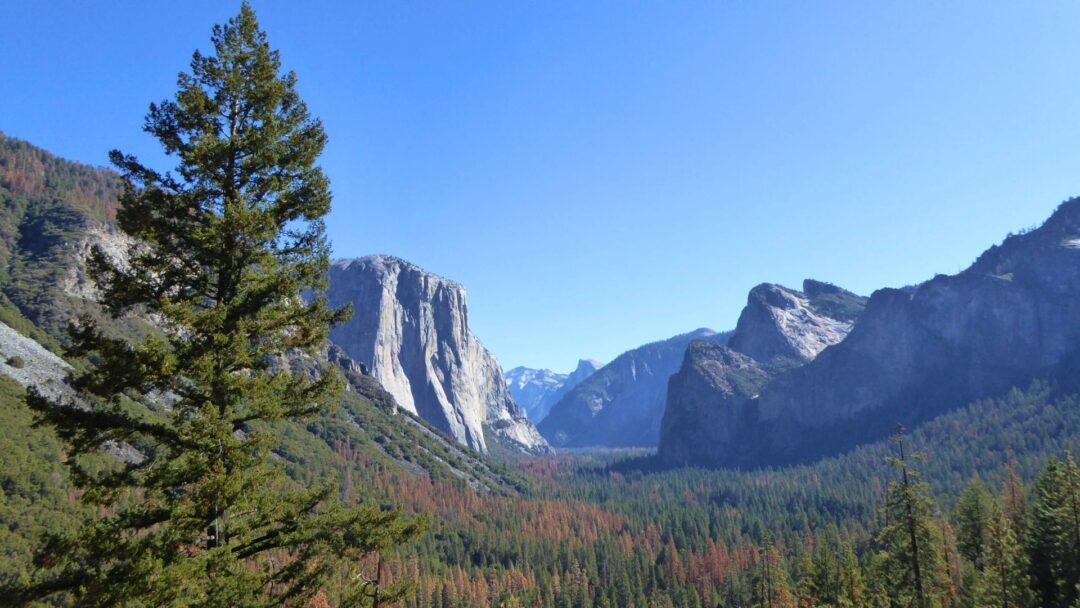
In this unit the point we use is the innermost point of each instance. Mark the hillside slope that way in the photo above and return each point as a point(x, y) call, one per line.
point(622, 404)
point(53, 211)
point(1014, 315)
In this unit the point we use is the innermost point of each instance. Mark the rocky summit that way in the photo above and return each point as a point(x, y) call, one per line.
point(1010, 318)
point(718, 385)
point(410, 329)
point(537, 390)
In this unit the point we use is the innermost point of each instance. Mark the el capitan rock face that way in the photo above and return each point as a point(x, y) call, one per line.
point(621, 404)
point(1011, 317)
point(716, 389)
point(410, 329)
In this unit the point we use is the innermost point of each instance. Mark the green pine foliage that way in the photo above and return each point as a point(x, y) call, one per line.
point(972, 515)
point(773, 587)
point(1004, 581)
point(222, 250)
point(35, 492)
point(913, 560)
point(1055, 534)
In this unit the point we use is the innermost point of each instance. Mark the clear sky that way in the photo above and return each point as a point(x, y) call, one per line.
point(604, 174)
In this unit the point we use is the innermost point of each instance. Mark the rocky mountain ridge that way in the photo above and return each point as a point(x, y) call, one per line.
point(779, 329)
point(537, 390)
point(53, 213)
point(1011, 317)
point(621, 405)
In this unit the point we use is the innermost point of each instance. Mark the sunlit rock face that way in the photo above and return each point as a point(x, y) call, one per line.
point(913, 353)
point(410, 329)
point(782, 322)
point(716, 390)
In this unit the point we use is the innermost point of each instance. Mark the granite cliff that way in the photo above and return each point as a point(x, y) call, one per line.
point(1011, 317)
point(410, 329)
point(622, 404)
point(716, 388)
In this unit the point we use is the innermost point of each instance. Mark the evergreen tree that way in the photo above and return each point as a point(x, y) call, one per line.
point(913, 565)
point(1043, 544)
point(223, 249)
point(879, 580)
point(1004, 582)
point(773, 589)
point(852, 591)
point(1069, 530)
point(972, 515)
point(1014, 500)
point(811, 573)
point(1055, 534)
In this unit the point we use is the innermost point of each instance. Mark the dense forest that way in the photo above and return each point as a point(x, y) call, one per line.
point(607, 530)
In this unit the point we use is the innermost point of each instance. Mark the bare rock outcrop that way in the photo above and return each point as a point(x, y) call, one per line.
point(410, 329)
point(782, 322)
point(716, 389)
point(30, 364)
point(1011, 317)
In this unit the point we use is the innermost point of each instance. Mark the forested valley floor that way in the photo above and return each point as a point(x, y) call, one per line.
point(609, 530)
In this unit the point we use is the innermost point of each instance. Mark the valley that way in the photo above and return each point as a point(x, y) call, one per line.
point(216, 393)
point(514, 522)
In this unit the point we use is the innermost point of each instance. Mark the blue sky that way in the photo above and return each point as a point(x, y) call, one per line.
point(604, 174)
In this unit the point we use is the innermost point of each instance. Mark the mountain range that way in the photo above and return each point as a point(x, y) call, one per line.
point(55, 211)
point(537, 390)
point(807, 372)
point(622, 404)
point(787, 392)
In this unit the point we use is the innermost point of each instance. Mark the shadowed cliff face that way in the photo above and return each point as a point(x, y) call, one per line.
point(1014, 315)
point(707, 398)
point(410, 328)
point(621, 404)
point(712, 400)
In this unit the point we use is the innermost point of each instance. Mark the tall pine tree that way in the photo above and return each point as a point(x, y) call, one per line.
point(224, 247)
point(1003, 582)
point(913, 561)
point(773, 587)
point(1055, 534)
point(972, 516)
